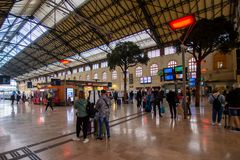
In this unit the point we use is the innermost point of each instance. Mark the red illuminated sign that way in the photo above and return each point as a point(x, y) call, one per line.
point(64, 61)
point(182, 22)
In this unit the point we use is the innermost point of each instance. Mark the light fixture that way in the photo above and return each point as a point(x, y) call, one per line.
point(182, 22)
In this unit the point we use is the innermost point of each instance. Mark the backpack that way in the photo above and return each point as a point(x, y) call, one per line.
point(216, 103)
point(91, 111)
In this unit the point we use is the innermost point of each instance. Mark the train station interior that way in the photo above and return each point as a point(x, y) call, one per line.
point(140, 79)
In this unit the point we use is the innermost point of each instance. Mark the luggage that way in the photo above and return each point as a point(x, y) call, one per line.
point(89, 127)
point(162, 109)
point(234, 119)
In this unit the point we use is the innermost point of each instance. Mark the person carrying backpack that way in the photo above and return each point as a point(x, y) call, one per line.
point(218, 101)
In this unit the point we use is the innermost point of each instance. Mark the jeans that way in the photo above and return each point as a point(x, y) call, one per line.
point(216, 113)
point(102, 120)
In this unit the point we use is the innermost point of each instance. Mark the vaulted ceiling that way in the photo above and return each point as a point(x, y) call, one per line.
point(74, 28)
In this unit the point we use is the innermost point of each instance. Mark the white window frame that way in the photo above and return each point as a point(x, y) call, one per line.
point(114, 75)
point(139, 71)
point(154, 53)
point(172, 63)
point(95, 66)
point(153, 69)
point(104, 64)
point(192, 65)
point(95, 76)
point(169, 50)
point(104, 76)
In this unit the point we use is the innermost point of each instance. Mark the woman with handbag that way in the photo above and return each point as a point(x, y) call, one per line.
point(82, 117)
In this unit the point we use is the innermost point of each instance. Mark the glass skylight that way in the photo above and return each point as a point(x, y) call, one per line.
point(15, 35)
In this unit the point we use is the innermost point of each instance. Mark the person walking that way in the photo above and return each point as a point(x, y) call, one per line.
point(13, 97)
point(139, 98)
point(18, 96)
point(115, 96)
point(156, 102)
point(82, 117)
point(218, 101)
point(172, 101)
point(188, 101)
point(24, 97)
point(49, 101)
point(103, 107)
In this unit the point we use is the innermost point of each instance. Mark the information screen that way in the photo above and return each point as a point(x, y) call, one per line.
point(146, 80)
point(4, 79)
point(168, 77)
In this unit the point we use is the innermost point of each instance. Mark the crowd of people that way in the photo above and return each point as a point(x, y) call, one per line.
point(18, 97)
point(100, 113)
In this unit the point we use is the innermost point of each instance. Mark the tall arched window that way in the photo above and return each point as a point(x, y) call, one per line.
point(139, 71)
point(80, 77)
point(88, 77)
point(154, 69)
point(95, 76)
point(104, 76)
point(114, 75)
point(192, 65)
point(172, 63)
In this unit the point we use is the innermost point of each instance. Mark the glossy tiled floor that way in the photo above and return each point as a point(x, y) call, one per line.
point(133, 136)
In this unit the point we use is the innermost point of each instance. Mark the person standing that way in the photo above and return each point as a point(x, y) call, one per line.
point(172, 101)
point(82, 117)
point(49, 101)
point(188, 101)
point(18, 96)
point(131, 96)
point(156, 102)
point(103, 107)
point(13, 97)
point(115, 96)
point(218, 101)
point(24, 97)
point(139, 98)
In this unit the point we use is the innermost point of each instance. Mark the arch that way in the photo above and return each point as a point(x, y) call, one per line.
point(153, 69)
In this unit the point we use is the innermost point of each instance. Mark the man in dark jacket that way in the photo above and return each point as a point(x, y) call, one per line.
point(171, 99)
point(139, 98)
point(156, 102)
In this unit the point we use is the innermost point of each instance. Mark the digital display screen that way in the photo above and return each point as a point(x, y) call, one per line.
point(70, 93)
point(146, 80)
point(178, 69)
point(55, 82)
point(168, 70)
point(29, 85)
point(4, 79)
point(179, 76)
point(168, 77)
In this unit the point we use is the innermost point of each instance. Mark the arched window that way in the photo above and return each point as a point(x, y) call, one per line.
point(104, 76)
point(80, 77)
point(95, 76)
point(154, 69)
point(172, 63)
point(192, 67)
point(139, 71)
point(74, 78)
point(114, 75)
point(88, 77)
